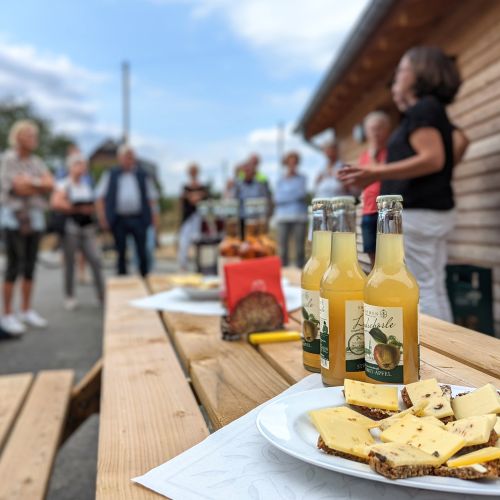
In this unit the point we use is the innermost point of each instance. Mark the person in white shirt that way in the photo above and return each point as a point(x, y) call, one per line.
point(74, 197)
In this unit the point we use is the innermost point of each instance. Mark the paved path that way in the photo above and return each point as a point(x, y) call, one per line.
point(73, 340)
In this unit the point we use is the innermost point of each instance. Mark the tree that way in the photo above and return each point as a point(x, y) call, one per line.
point(52, 147)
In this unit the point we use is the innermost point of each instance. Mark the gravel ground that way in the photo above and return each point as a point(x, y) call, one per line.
point(72, 340)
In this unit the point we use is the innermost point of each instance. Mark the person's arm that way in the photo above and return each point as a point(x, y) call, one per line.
point(429, 158)
point(153, 196)
point(59, 200)
point(460, 145)
point(100, 194)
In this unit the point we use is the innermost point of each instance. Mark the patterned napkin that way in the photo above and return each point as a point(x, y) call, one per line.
point(236, 462)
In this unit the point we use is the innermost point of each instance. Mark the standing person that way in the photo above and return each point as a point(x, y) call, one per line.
point(125, 205)
point(74, 197)
point(327, 184)
point(249, 187)
point(25, 180)
point(420, 156)
point(377, 127)
point(291, 210)
point(192, 193)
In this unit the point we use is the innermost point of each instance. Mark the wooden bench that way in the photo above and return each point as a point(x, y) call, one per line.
point(32, 419)
point(148, 410)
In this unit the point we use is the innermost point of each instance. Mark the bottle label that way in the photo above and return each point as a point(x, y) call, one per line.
point(324, 332)
point(354, 336)
point(310, 321)
point(384, 343)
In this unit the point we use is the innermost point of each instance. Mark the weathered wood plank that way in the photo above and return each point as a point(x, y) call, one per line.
point(13, 391)
point(450, 371)
point(27, 459)
point(473, 349)
point(230, 378)
point(286, 359)
point(85, 399)
point(234, 381)
point(148, 411)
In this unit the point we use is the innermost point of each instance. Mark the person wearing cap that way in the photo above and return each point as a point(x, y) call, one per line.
point(74, 197)
point(125, 203)
point(291, 210)
point(421, 153)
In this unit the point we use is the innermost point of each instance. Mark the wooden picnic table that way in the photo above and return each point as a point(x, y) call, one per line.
point(169, 379)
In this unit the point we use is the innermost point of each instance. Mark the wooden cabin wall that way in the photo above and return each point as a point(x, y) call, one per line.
point(476, 110)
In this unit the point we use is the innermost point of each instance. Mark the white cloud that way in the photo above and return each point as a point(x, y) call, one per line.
point(293, 35)
point(53, 83)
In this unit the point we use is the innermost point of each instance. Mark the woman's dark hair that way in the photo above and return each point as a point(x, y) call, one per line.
point(436, 73)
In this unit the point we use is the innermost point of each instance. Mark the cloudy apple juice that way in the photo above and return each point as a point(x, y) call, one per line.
point(341, 301)
point(391, 298)
point(310, 281)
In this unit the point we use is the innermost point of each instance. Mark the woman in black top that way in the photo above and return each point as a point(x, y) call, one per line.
point(420, 157)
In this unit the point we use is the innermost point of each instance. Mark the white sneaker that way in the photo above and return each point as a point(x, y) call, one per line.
point(70, 303)
point(12, 325)
point(32, 318)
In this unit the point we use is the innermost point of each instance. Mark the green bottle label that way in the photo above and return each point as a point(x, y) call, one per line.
point(354, 336)
point(324, 332)
point(384, 343)
point(310, 321)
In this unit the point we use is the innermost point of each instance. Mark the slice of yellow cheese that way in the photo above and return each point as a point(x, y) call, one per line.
point(479, 402)
point(344, 436)
point(423, 389)
point(416, 410)
point(400, 454)
point(433, 421)
point(425, 436)
point(343, 413)
point(371, 395)
point(476, 457)
point(474, 430)
point(438, 407)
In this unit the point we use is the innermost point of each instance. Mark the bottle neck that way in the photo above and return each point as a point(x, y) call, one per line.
point(390, 246)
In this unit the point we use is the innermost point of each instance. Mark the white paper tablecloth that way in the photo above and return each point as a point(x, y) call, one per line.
point(176, 300)
point(236, 462)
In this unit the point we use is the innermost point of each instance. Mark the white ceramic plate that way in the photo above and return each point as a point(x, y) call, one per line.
point(285, 424)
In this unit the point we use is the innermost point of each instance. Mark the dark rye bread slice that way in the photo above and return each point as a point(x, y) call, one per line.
point(492, 441)
point(469, 472)
point(330, 451)
point(379, 464)
point(446, 392)
point(373, 413)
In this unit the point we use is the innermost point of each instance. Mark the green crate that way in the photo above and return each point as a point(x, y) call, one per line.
point(471, 296)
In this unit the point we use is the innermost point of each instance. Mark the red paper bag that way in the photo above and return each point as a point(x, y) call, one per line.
point(254, 275)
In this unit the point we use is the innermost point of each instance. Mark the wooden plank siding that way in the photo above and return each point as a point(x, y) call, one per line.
point(476, 181)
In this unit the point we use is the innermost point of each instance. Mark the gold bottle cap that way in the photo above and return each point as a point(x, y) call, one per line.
point(389, 198)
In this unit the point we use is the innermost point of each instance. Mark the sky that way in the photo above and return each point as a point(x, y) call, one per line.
point(211, 80)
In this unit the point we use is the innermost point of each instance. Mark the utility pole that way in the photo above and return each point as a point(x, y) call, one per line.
point(126, 100)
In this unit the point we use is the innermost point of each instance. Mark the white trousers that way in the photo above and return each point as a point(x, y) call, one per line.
point(425, 236)
point(189, 231)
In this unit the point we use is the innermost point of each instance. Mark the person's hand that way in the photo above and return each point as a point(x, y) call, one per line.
point(22, 185)
point(358, 177)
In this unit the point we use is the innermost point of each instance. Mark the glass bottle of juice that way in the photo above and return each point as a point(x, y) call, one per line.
point(342, 348)
point(391, 304)
point(310, 281)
